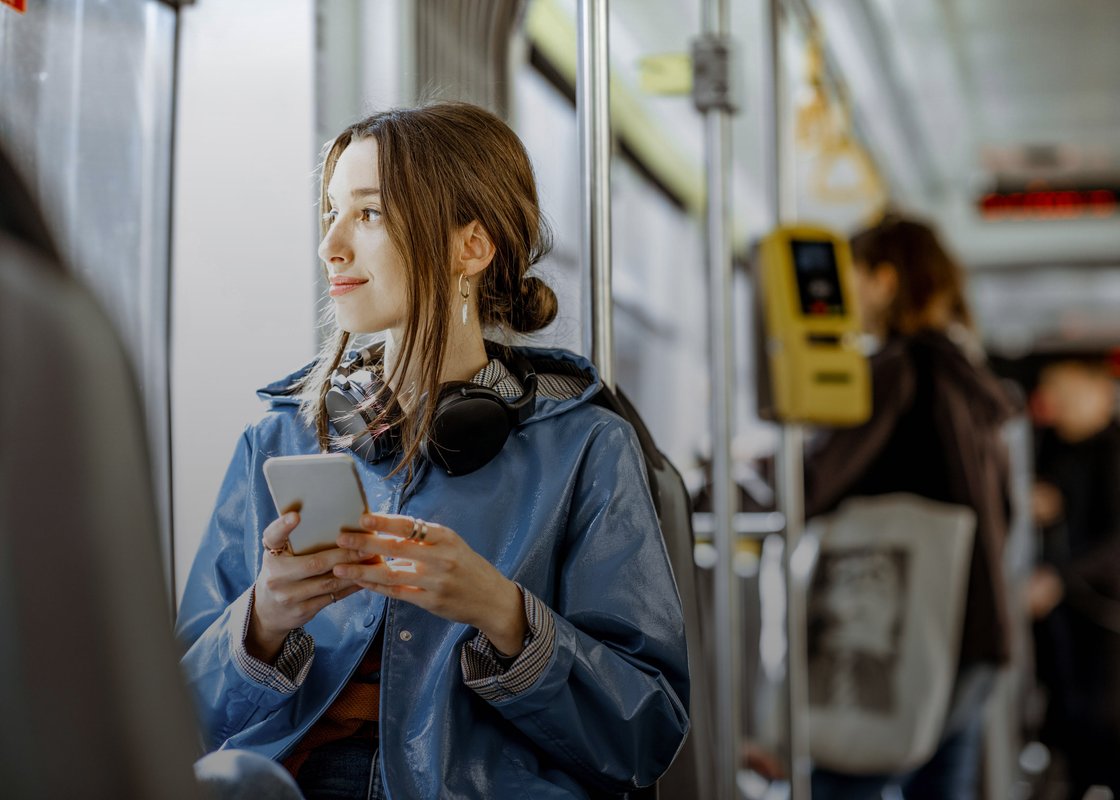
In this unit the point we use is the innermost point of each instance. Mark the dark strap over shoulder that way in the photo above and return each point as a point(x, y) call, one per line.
point(693, 771)
point(621, 405)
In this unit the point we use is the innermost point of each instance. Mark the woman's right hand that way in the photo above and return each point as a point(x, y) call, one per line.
point(290, 590)
point(1047, 503)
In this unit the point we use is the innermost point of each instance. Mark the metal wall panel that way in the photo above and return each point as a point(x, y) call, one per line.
point(85, 112)
point(463, 50)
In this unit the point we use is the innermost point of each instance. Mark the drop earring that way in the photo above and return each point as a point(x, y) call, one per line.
point(464, 293)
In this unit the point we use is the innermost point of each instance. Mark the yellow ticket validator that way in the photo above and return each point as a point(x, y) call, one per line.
point(817, 369)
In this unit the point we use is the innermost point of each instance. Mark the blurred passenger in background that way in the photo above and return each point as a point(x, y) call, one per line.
point(934, 432)
point(91, 699)
point(1075, 592)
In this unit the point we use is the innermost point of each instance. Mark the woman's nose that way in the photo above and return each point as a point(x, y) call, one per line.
point(334, 249)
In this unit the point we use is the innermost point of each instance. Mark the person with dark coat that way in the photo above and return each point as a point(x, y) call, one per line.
point(1074, 593)
point(934, 432)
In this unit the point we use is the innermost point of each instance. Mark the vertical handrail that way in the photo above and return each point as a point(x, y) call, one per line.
point(164, 488)
point(593, 119)
point(728, 631)
point(782, 180)
point(790, 458)
point(791, 484)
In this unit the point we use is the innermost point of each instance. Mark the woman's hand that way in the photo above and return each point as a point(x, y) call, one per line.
point(290, 589)
point(439, 572)
point(1043, 591)
point(1047, 503)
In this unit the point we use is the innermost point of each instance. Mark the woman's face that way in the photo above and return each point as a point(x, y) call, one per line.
point(875, 291)
point(369, 286)
point(1081, 400)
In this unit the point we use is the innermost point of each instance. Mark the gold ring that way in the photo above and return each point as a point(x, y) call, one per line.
point(419, 530)
point(278, 551)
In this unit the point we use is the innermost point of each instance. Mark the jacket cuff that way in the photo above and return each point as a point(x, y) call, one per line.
point(292, 665)
point(494, 677)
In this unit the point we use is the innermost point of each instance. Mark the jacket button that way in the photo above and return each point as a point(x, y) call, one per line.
point(372, 618)
point(406, 636)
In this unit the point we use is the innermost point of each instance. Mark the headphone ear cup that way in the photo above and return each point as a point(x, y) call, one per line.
point(344, 408)
point(469, 428)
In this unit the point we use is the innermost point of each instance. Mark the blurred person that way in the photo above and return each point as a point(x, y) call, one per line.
point(1074, 594)
point(934, 432)
point(91, 698)
point(538, 648)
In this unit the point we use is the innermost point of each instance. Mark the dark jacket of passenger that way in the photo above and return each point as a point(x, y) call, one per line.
point(1084, 545)
point(935, 432)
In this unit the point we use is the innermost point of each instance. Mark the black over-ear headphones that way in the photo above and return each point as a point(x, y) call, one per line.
point(470, 425)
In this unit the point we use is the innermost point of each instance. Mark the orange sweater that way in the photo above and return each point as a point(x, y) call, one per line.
point(356, 705)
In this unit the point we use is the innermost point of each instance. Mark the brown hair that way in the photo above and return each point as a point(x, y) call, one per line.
point(442, 166)
point(926, 270)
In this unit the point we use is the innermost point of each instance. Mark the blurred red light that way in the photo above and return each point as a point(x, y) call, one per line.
point(1047, 204)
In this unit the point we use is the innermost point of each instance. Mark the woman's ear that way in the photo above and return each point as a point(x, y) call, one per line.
point(475, 249)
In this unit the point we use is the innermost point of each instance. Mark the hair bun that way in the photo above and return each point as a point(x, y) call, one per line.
point(534, 307)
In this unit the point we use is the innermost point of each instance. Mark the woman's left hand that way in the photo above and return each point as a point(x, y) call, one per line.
point(443, 575)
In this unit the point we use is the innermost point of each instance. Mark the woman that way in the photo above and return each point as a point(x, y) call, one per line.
point(934, 432)
point(537, 649)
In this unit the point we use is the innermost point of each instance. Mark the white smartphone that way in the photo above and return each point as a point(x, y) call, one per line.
point(326, 492)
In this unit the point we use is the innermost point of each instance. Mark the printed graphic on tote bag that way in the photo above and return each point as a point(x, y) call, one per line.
point(856, 609)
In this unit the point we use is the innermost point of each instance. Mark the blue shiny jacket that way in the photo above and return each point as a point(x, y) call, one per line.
point(564, 510)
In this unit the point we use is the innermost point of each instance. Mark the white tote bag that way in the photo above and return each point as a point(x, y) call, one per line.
point(884, 611)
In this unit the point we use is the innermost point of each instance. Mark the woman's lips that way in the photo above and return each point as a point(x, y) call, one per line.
point(342, 286)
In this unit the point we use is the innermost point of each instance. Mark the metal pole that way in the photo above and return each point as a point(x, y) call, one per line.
point(593, 116)
point(782, 167)
point(791, 472)
point(791, 482)
point(728, 630)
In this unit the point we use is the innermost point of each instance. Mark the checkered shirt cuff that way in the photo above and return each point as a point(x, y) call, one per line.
point(496, 677)
point(292, 665)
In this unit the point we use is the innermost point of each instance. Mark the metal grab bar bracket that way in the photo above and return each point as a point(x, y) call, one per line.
point(713, 74)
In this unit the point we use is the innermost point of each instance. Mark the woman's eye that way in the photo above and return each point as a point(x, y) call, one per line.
point(370, 214)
